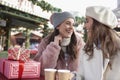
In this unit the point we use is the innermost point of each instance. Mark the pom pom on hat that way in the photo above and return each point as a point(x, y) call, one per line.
point(59, 17)
point(102, 15)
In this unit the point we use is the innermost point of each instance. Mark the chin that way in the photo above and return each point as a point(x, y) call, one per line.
point(68, 36)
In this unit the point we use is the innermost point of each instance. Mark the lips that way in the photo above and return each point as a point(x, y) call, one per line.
point(69, 31)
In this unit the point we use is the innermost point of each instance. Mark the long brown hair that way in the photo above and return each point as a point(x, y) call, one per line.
point(104, 38)
point(71, 48)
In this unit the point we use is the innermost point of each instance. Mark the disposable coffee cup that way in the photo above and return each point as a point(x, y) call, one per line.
point(50, 74)
point(64, 75)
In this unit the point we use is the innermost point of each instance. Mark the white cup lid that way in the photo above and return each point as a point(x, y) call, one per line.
point(63, 70)
point(50, 69)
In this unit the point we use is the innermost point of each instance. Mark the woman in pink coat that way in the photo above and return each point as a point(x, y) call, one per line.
point(60, 49)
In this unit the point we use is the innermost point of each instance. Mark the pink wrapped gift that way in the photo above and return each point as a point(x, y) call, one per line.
point(16, 69)
point(15, 53)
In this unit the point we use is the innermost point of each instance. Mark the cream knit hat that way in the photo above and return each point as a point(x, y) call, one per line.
point(103, 15)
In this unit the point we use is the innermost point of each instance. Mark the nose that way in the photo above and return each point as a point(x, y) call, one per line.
point(71, 26)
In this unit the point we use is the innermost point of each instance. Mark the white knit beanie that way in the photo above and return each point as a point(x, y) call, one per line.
point(103, 15)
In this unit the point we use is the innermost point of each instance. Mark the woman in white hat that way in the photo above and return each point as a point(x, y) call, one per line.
point(60, 49)
point(100, 58)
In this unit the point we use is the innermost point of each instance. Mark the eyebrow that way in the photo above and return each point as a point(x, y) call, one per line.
point(70, 22)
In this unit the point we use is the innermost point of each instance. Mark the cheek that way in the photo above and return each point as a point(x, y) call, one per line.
point(61, 30)
point(87, 26)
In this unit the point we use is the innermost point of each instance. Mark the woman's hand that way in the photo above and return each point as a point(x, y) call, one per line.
point(58, 39)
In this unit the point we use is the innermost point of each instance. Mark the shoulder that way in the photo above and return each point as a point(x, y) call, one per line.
point(45, 39)
point(79, 38)
point(78, 35)
point(44, 42)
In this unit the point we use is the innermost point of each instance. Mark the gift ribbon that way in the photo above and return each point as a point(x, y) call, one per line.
point(3, 66)
point(20, 70)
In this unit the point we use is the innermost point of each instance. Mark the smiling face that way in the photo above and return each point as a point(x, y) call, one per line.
point(66, 29)
point(88, 25)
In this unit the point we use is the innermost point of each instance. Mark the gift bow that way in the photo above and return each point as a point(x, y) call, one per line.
point(19, 54)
